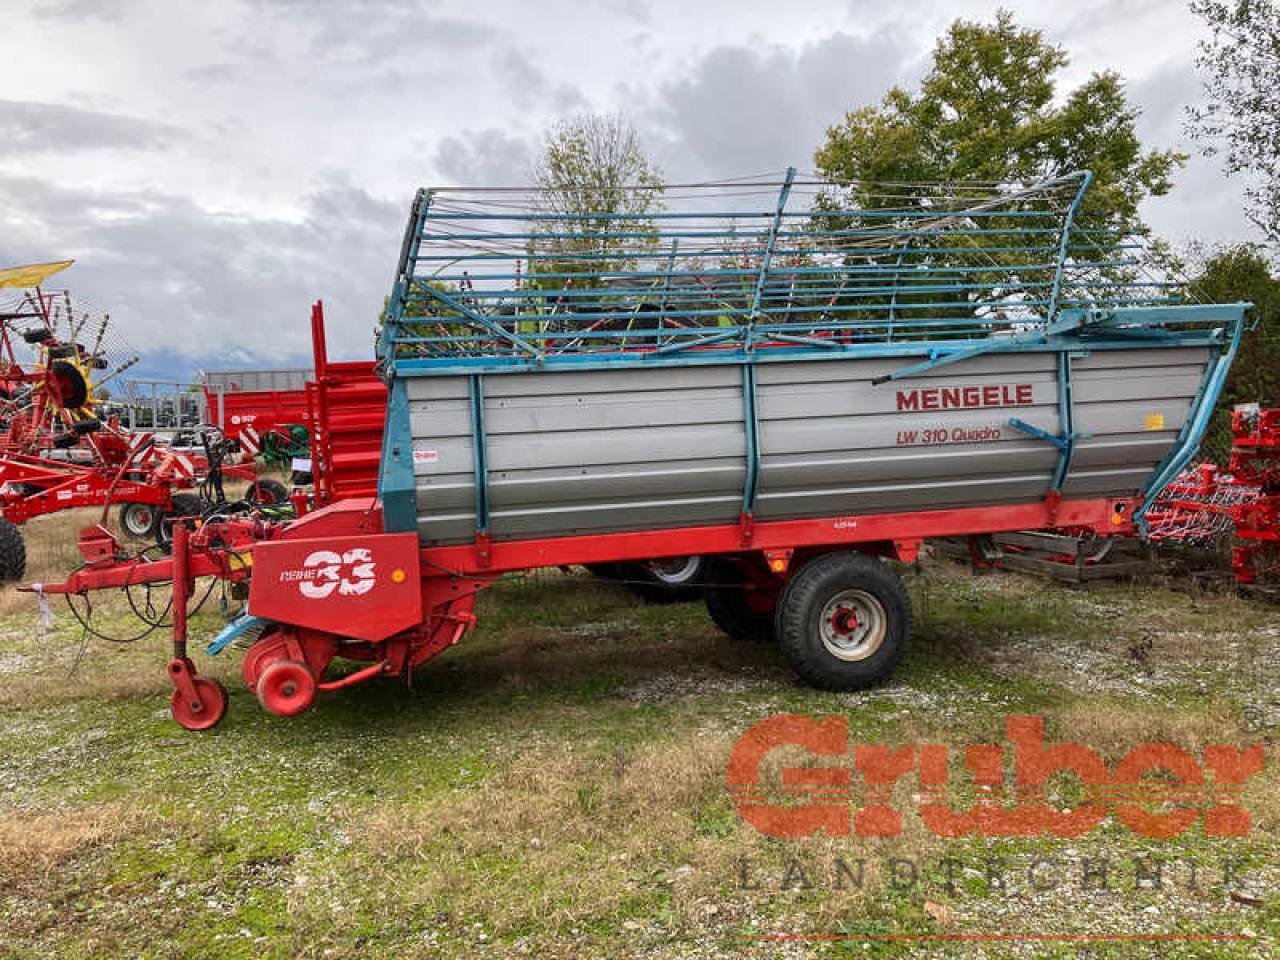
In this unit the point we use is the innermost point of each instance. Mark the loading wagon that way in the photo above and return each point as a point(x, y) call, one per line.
point(769, 374)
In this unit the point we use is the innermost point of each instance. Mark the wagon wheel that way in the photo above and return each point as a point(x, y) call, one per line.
point(267, 491)
point(184, 508)
point(666, 581)
point(843, 621)
point(740, 611)
point(139, 519)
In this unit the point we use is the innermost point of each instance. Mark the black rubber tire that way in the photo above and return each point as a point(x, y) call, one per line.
point(609, 571)
point(78, 395)
point(266, 491)
point(65, 441)
point(727, 604)
point(134, 528)
point(64, 351)
point(182, 505)
point(657, 585)
point(86, 426)
point(13, 551)
point(37, 335)
point(801, 607)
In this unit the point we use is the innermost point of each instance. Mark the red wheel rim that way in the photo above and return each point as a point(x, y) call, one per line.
point(286, 688)
point(210, 710)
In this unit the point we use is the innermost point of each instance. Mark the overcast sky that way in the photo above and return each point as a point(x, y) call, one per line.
point(216, 166)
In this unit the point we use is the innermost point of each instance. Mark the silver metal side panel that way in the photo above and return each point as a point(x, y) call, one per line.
point(611, 450)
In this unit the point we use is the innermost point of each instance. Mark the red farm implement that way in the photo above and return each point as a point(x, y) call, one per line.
point(1207, 504)
point(798, 396)
point(249, 406)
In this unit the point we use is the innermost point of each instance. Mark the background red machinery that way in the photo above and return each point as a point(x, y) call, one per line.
point(1208, 504)
point(56, 451)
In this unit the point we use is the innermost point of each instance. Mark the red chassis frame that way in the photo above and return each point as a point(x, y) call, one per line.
point(336, 566)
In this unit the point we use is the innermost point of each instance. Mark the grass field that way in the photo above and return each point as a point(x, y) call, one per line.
point(554, 786)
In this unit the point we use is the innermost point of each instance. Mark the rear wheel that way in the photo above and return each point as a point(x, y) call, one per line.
point(139, 519)
point(741, 608)
point(13, 551)
point(267, 491)
point(843, 621)
point(665, 581)
point(183, 508)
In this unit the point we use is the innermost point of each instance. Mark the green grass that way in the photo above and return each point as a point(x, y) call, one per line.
point(554, 785)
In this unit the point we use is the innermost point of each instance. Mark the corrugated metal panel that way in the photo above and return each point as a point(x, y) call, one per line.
point(833, 443)
point(595, 451)
point(248, 380)
point(1134, 403)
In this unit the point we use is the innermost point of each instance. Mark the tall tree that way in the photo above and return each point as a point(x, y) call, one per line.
point(1230, 274)
point(1241, 118)
point(989, 110)
point(592, 170)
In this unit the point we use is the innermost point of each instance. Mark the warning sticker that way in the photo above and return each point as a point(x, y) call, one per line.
point(425, 456)
point(1155, 421)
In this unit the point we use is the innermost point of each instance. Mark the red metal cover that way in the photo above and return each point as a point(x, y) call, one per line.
point(363, 586)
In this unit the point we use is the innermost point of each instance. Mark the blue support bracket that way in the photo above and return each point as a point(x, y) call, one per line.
point(766, 260)
point(397, 486)
point(1033, 431)
point(751, 422)
point(1197, 422)
point(480, 454)
point(1063, 442)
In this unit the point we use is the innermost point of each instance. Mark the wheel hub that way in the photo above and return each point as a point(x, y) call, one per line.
point(853, 625)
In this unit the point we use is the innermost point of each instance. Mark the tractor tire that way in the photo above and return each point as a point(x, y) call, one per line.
point(13, 551)
point(64, 351)
point(88, 425)
point(184, 507)
point(607, 571)
point(843, 621)
point(733, 609)
point(37, 335)
point(665, 581)
point(65, 441)
point(139, 519)
point(266, 492)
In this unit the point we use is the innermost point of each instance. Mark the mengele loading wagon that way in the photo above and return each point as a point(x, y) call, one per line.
point(766, 373)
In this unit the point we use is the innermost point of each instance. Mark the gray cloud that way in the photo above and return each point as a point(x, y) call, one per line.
point(484, 157)
point(27, 127)
point(749, 109)
point(371, 34)
point(212, 287)
point(81, 10)
point(1202, 204)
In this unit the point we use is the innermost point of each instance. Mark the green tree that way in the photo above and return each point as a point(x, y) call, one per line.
point(592, 170)
point(989, 110)
point(1241, 118)
point(1226, 275)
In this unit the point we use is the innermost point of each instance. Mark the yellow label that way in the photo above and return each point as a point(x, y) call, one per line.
point(1155, 421)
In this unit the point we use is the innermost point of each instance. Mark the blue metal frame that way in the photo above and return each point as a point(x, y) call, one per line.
point(504, 282)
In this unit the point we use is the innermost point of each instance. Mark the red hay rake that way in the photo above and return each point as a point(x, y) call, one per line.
point(1207, 505)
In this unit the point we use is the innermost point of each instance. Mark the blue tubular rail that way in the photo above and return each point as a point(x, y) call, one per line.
point(513, 278)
